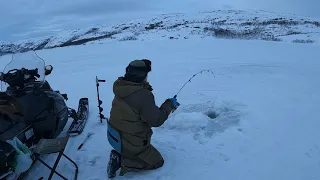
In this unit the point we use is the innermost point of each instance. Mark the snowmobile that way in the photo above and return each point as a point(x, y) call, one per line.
point(30, 109)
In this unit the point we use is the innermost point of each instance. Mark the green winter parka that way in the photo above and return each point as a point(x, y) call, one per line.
point(134, 113)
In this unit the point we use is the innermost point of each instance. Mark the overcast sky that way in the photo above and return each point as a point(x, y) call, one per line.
point(22, 19)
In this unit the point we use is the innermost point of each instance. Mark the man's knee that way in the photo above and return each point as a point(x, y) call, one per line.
point(153, 158)
point(150, 158)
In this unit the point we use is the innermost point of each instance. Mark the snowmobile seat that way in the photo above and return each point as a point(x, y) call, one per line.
point(50, 146)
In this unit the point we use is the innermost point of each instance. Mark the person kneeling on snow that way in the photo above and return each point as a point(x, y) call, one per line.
point(132, 116)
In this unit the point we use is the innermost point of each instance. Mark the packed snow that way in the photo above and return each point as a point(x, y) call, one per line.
point(254, 118)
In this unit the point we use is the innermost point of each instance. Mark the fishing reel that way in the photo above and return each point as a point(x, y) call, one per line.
point(175, 107)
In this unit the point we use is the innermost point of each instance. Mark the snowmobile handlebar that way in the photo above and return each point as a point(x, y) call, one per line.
point(17, 77)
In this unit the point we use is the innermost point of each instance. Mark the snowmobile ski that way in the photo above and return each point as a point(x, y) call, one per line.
point(80, 117)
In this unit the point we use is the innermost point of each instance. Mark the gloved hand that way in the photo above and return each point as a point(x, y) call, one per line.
point(175, 103)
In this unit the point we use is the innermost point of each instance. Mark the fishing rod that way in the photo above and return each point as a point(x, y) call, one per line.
point(189, 81)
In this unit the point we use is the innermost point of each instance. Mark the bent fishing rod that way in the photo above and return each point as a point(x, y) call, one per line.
point(193, 76)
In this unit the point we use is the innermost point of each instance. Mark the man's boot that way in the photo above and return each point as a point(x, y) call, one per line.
point(114, 163)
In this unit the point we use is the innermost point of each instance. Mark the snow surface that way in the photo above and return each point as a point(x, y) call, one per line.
point(266, 95)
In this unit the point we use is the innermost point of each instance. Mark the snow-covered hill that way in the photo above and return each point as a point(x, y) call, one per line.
point(258, 25)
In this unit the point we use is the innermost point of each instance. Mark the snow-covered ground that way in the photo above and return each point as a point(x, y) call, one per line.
point(266, 95)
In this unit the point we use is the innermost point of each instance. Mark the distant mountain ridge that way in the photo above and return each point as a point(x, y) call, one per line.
point(233, 24)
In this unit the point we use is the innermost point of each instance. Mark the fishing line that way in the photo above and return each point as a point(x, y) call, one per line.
point(189, 81)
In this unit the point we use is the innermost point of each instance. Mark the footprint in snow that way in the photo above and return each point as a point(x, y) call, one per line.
point(225, 158)
point(313, 152)
point(93, 160)
point(308, 155)
point(219, 146)
point(199, 138)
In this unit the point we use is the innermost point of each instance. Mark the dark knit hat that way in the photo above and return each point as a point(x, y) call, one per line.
point(137, 70)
